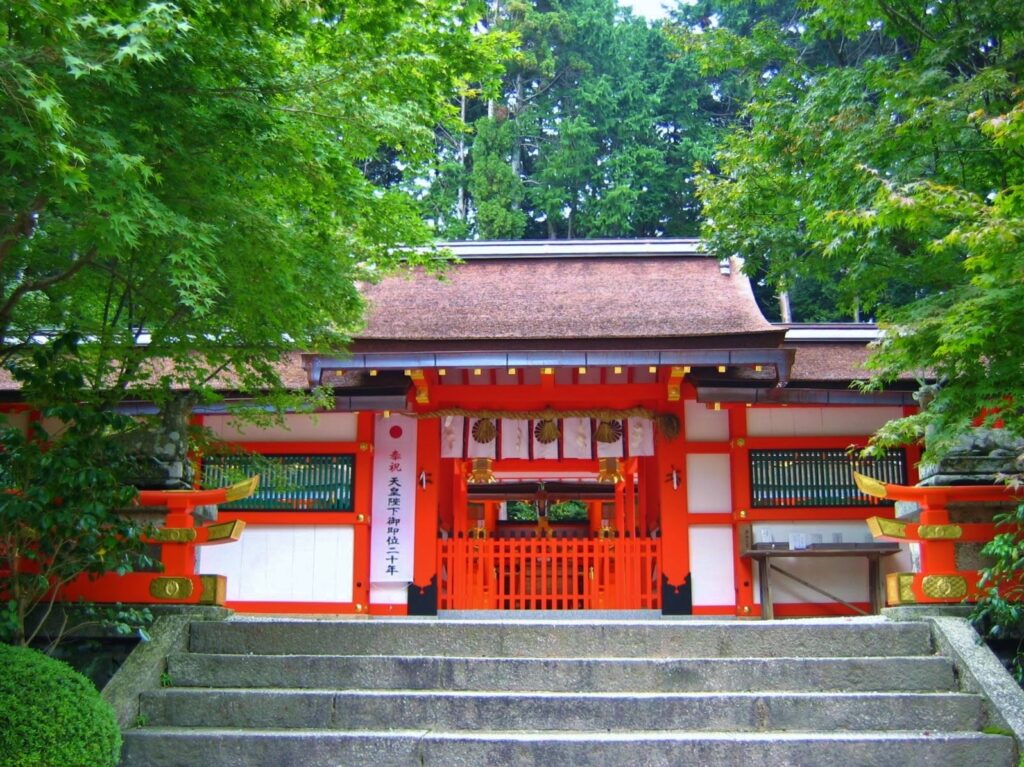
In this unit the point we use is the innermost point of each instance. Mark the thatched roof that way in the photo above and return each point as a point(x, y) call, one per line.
point(566, 296)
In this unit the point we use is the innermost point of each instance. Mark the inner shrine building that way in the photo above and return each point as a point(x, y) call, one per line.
point(582, 425)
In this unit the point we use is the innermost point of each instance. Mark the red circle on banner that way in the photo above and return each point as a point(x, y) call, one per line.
point(396, 432)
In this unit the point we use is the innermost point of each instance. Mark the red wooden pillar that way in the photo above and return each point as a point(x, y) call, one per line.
point(179, 559)
point(620, 508)
point(594, 516)
point(651, 505)
point(630, 496)
point(460, 499)
point(423, 590)
point(362, 505)
point(739, 462)
point(670, 460)
point(937, 556)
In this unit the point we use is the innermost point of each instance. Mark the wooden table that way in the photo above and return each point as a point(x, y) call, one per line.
point(764, 553)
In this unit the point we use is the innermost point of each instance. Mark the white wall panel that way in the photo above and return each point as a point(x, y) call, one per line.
point(708, 484)
point(817, 421)
point(711, 565)
point(307, 563)
point(389, 593)
point(321, 427)
point(704, 423)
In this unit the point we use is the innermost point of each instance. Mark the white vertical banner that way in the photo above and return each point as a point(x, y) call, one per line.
point(641, 436)
point(544, 450)
point(576, 438)
point(483, 438)
point(393, 520)
point(515, 438)
point(615, 448)
point(451, 436)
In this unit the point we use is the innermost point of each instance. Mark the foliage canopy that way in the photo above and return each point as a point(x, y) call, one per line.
point(193, 190)
point(594, 133)
point(205, 176)
point(881, 151)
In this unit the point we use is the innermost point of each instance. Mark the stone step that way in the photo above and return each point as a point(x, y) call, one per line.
point(855, 637)
point(896, 674)
point(187, 747)
point(471, 711)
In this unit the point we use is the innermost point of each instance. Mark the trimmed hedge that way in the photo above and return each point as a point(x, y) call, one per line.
point(52, 716)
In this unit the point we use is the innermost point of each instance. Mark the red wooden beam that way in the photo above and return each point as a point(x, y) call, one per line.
point(936, 496)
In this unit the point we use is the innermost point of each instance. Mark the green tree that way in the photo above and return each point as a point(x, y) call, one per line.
point(494, 185)
point(212, 178)
point(893, 174)
point(595, 133)
point(897, 172)
point(193, 188)
point(60, 493)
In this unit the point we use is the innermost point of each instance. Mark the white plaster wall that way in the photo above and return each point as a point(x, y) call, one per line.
point(278, 563)
point(708, 485)
point(321, 427)
point(818, 422)
point(389, 593)
point(711, 565)
point(704, 423)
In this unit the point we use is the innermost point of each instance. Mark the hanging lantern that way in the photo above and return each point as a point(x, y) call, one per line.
point(608, 471)
point(482, 472)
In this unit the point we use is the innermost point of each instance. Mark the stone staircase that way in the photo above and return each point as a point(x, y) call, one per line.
point(448, 693)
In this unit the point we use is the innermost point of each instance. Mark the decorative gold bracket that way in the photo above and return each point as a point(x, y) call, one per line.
point(675, 381)
point(870, 486)
point(419, 380)
point(883, 527)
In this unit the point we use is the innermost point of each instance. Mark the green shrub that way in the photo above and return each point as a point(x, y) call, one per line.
point(52, 716)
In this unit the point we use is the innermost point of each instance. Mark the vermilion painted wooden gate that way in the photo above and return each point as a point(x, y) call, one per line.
point(549, 574)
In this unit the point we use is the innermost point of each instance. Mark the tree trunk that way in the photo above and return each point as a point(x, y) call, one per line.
point(460, 208)
point(784, 308)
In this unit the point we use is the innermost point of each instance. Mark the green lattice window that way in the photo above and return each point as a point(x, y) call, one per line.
point(287, 482)
point(800, 478)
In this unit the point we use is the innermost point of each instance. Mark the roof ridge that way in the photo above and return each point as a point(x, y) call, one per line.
point(552, 249)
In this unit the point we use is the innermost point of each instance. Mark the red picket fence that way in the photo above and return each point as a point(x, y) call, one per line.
point(549, 574)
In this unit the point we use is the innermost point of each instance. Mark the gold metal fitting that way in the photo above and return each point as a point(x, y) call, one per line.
point(609, 470)
point(482, 471)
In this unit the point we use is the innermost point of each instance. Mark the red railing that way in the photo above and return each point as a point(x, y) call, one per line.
point(549, 574)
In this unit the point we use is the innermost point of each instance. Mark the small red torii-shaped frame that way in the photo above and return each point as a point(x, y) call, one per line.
point(178, 583)
point(938, 581)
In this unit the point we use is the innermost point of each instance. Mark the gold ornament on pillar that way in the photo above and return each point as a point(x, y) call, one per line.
point(482, 471)
point(608, 470)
